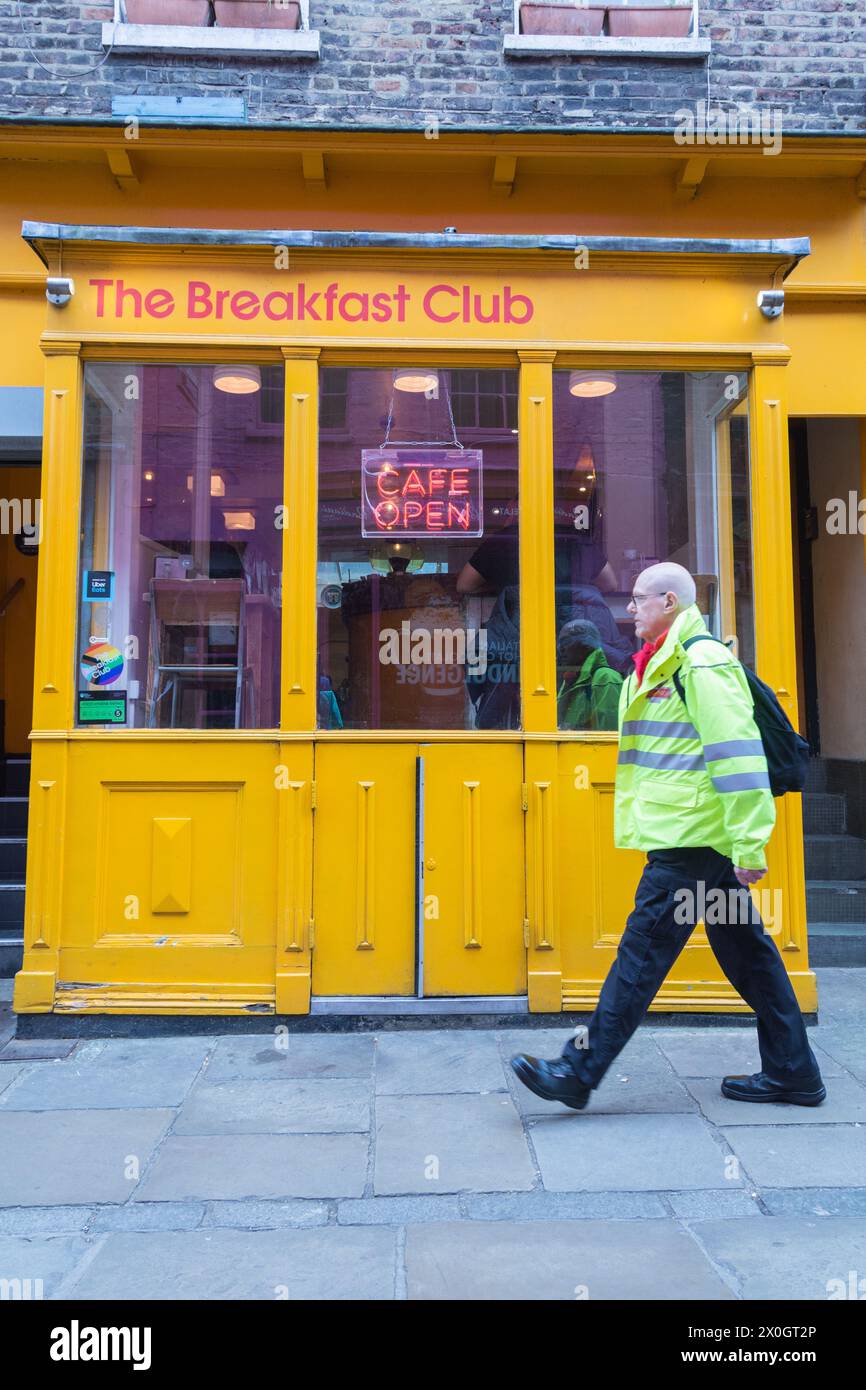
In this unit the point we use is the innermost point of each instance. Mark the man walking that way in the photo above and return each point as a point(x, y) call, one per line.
point(692, 789)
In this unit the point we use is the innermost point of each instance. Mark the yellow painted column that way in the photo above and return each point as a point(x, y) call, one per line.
point(775, 647)
point(54, 679)
point(300, 494)
point(294, 774)
point(538, 677)
point(537, 617)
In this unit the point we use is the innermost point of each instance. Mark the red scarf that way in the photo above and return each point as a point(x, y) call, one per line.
point(641, 658)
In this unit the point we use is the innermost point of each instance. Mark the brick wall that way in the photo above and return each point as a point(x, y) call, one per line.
point(399, 63)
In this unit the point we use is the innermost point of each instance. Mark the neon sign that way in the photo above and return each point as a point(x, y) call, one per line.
point(415, 493)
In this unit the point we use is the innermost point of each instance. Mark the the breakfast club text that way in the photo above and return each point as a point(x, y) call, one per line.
point(204, 302)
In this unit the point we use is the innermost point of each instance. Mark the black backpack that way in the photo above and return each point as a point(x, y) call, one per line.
point(786, 752)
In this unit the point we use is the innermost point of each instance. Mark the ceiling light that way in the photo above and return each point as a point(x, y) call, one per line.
point(239, 521)
point(237, 381)
point(415, 379)
point(585, 462)
point(217, 484)
point(591, 383)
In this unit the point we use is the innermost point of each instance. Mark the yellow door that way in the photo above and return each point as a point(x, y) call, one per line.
point(364, 895)
point(472, 940)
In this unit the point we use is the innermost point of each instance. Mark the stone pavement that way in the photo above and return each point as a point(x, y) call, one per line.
point(413, 1165)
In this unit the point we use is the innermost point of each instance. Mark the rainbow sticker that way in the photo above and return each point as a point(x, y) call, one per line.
point(101, 664)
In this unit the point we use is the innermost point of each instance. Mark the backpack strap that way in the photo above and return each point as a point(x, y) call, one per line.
point(699, 637)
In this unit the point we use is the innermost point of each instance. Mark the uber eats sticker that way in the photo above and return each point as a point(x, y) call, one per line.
point(101, 664)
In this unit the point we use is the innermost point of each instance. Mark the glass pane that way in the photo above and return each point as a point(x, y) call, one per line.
point(648, 466)
point(181, 547)
point(418, 615)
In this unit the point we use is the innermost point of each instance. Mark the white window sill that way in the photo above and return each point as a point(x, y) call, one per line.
point(199, 41)
point(601, 46)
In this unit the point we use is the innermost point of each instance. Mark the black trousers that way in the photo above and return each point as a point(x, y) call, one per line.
point(675, 888)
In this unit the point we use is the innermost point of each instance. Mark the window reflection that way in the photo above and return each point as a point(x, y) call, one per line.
point(418, 565)
point(648, 466)
point(181, 549)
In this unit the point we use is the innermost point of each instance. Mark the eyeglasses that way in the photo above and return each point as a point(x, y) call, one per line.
point(637, 600)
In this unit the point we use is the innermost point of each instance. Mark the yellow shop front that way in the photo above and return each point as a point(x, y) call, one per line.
point(339, 533)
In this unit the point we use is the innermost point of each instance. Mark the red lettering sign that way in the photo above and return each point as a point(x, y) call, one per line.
point(412, 493)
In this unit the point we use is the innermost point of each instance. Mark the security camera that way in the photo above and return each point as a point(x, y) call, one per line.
point(771, 303)
point(59, 289)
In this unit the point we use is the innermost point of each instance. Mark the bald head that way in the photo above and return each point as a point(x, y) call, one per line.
point(660, 595)
point(669, 578)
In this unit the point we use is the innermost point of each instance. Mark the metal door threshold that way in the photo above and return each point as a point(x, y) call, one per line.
point(409, 1004)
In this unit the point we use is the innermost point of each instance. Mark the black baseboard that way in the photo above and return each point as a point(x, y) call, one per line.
point(185, 1026)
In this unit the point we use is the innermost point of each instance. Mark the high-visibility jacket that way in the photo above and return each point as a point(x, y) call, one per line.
point(590, 700)
point(693, 773)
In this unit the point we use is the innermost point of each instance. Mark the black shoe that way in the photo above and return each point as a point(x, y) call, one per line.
point(762, 1088)
point(551, 1080)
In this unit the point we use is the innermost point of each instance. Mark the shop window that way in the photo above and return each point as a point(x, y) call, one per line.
point(648, 466)
point(181, 548)
point(485, 400)
point(418, 613)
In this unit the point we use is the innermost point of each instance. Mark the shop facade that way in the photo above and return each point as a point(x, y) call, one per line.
point(339, 536)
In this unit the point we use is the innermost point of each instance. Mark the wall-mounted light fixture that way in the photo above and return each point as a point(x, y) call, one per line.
point(589, 384)
point(771, 303)
point(59, 289)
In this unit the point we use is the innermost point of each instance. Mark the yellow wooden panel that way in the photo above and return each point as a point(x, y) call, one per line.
point(474, 890)
point(364, 869)
point(171, 874)
point(172, 865)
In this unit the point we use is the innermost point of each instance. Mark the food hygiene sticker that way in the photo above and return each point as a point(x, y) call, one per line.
point(101, 664)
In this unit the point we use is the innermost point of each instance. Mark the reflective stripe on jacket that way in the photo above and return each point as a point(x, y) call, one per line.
point(693, 773)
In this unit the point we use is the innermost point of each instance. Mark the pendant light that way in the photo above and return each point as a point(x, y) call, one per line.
point(589, 384)
point(237, 381)
point(416, 379)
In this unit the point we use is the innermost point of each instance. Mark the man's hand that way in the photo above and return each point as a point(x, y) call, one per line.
point(748, 876)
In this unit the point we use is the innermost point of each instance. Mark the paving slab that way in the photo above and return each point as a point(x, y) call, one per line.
point(840, 994)
point(700, 1206)
point(582, 1152)
point(37, 1265)
point(845, 1104)
point(641, 1052)
point(37, 1049)
point(845, 1043)
point(266, 1216)
point(718, 1052)
point(285, 1055)
point(65, 1157)
point(148, 1216)
point(554, 1206)
point(785, 1258)
point(560, 1260)
point(112, 1074)
point(637, 1090)
point(233, 1166)
point(815, 1201)
point(435, 1062)
point(398, 1211)
point(328, 1263)
point(49, 1221)
point(294, 1106)
point(8, 1072)
point(801, 1155)
point(450, 1144)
